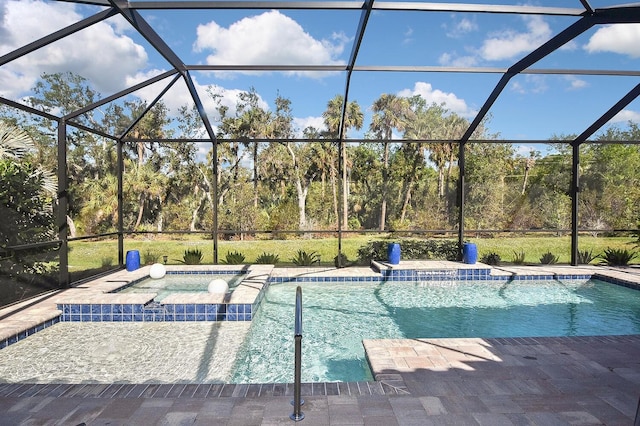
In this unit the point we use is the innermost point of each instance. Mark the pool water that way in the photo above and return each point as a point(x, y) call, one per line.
point(338, 316)
point(180, 283)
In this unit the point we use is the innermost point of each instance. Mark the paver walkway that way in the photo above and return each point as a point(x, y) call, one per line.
point(549, 381)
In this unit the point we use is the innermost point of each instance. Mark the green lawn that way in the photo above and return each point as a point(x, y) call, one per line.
point(93, 254)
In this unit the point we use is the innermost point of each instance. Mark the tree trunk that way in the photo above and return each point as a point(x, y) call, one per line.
point(334, 191)
point(345, 190)
point(71, 226)
point(300, 190)
point(385, 187)
point(255, 175)
point(407, 198)
point(140, 211)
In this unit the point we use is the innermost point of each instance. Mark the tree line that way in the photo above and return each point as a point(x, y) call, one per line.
point(271, 176)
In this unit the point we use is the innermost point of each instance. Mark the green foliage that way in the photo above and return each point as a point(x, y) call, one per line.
point(267, 259)
point(518, 257)
point(548, 258)
point(410, 249)
point(302, 258)
point(586, 256)
point(106, 261)
point(340, 261)
point(617, 257)
point(491, 258)
point(27, 216)
point(191, 257)
point(233, 258)
point(149, 257)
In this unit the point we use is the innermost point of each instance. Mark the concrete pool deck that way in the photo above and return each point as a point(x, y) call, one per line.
point(525, 381)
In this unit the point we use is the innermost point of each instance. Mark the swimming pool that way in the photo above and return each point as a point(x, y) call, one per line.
point(181, 283)
point(337, 316)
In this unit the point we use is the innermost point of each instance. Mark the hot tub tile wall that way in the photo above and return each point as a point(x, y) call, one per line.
point(173, 312)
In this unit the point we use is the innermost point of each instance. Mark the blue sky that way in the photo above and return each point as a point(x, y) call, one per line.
point(112, 56)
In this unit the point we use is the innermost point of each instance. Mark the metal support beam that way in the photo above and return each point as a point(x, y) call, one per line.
point(150, 106)
point(44, 41)
point(120, 160)
point(575, 189)
point(575, 169)
point(63, 206)
point(461, 196)
point(342, 167)
point(145, 30)
point(120, 94)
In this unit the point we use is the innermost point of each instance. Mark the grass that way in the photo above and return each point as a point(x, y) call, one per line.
point(87, 254)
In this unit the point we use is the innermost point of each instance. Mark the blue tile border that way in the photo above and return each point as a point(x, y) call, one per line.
point(617, 281)
point(26, 333)
point(154, 312)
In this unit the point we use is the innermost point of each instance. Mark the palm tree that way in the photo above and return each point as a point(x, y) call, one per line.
point(353, 119)
point(15, 143)
point(28, 192)
point(390, 112)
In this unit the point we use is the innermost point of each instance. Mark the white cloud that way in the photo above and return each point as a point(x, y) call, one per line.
point(509, 43)
point(625, 116)
point(461, 27)
point(431, 95)
point(575, 83)
point(620, 38)
point(267, 39)
point(301, 123)
point(27, 20)
point(453, 60)
point(530, 84)
point(408, 36)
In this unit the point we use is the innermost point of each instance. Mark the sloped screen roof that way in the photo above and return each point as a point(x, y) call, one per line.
point(559, 67)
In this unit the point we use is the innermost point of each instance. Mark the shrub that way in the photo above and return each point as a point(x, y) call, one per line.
point(341, 260)
point(518, 257)
point(267, 259)
point(302, 258)
point(233, 258)
point(106, 261)
point(150, 257)
point(191, 257)
point(491, 258)
point(617, 257)
point(410, 250)
point(548, 258)
point(586, 256)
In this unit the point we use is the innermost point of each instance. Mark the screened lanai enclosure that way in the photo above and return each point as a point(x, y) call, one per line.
point(128, 124)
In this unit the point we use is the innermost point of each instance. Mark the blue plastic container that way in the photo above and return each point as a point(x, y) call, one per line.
point(133, 260)
point(469, 253)
point(393, 253)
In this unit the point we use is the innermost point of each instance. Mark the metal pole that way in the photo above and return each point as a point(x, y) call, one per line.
point(63, 205)
point(297, 415)
point(120, 203)
point(575, 193)
point(461, 196)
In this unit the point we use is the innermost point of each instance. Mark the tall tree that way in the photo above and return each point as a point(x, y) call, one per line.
point(389, 112)
point(353, 119)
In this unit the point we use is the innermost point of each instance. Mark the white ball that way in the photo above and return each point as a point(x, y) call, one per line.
point(218, 286)
point(157, 271)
